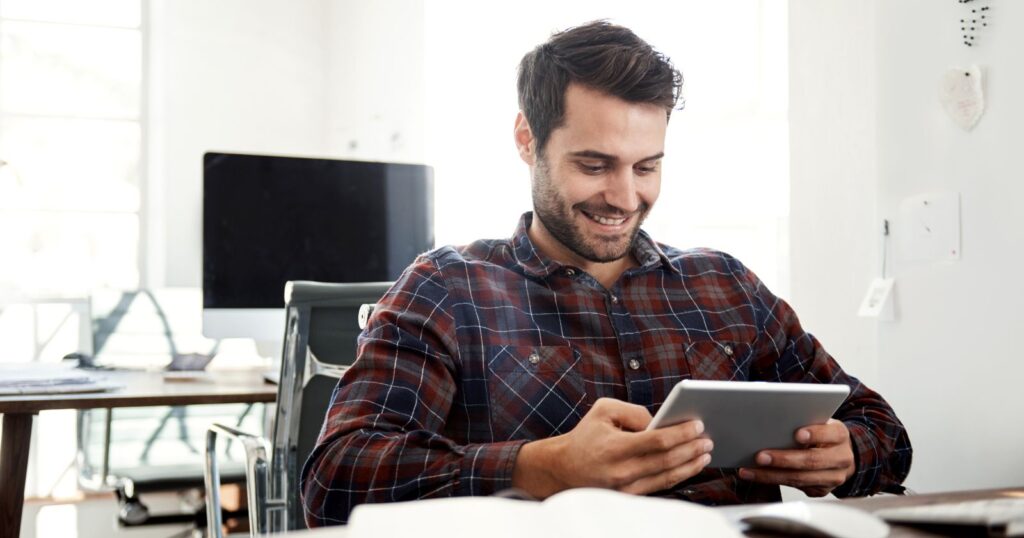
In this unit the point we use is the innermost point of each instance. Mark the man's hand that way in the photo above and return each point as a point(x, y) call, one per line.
point(610, 449)
point(823, 463)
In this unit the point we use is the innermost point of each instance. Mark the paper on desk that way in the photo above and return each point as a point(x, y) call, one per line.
point(577, 513)
point(48, 378)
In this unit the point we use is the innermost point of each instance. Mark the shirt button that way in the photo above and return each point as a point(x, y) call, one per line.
point(689, 491)
point(570, 272)
point(728, 350)
point(534, 358)
point(615, 300)
point(634, 364)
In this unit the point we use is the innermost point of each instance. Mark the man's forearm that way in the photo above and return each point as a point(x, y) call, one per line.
point(883, 455)
point(373, 466)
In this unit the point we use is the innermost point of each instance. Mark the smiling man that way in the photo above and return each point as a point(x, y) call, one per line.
point(596, 180)
point(536, 362)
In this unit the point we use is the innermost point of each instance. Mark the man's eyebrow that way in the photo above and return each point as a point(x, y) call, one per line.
point(592, 154)
point(654, 157)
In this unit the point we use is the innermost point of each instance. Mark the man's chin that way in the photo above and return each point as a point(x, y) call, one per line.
point(606, 249)
point(605, 253)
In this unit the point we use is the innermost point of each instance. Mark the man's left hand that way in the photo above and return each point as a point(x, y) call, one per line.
point(824, 461)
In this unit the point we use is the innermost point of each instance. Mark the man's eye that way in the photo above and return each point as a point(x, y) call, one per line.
point(592, 168)
point(643, 170)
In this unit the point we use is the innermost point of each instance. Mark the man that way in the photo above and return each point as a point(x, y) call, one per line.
point(536, 362)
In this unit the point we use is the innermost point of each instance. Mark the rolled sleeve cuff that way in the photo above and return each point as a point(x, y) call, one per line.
point(487, 468)
point(865, 478)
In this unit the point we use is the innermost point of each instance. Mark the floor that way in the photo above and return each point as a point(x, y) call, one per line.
point(95, 516)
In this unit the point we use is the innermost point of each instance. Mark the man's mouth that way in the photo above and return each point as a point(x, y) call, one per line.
point(607, 221)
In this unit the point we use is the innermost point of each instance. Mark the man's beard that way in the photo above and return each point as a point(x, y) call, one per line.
point(557, 216)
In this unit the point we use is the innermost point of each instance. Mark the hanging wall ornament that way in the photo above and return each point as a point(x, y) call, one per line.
point(961, 95)
point(974, 17)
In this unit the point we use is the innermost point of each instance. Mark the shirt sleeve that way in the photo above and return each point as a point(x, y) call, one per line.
point(383, 438)
point(786, 353)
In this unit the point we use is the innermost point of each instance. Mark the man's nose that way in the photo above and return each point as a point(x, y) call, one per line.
point(620, 190)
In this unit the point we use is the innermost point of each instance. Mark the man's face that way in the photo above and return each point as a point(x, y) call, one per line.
point(600, 174)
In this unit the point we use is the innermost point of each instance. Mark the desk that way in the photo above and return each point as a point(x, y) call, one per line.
point(868, 503)
point(141, 389)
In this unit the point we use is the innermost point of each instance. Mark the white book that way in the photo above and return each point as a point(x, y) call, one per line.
point(576, 513)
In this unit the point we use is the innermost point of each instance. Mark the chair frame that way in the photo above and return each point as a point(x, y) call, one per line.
point(272, 482)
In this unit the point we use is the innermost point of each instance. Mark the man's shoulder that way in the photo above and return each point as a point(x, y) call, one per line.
point(701, 260)
point(434, 275)
point(496, 252)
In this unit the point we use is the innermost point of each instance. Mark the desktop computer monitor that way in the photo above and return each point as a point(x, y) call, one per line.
point(268, 220)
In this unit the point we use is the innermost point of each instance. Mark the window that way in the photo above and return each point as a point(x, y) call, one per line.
point(70, 145)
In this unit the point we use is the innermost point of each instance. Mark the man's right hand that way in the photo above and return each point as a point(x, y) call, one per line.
point(610, 449)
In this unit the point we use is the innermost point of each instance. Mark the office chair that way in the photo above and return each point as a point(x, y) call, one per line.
point(322, 323)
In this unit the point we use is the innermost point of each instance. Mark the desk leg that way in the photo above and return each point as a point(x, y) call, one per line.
point(16, 440)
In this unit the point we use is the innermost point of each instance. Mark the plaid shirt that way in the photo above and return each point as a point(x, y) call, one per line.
point(477, 350)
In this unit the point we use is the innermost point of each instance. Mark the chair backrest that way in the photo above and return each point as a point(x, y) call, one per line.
point(321, 328)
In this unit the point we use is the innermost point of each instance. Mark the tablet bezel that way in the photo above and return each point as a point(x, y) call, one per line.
point(745, 417)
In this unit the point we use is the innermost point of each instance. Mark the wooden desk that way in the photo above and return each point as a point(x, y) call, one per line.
point(141, 389)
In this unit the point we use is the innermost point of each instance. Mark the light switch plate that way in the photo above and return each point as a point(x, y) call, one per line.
point(929, 227)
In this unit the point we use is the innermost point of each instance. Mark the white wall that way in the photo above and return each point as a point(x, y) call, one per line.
point(868, 131)
point(955, 345)
point(375, 72)
point(833, 186)
point(314, 78)
point(232, 75)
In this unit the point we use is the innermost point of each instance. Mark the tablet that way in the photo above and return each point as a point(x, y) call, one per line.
point(745, 417)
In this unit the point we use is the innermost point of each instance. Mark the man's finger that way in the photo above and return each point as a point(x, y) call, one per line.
point(648, 453)
point(797, 479)
point(832, 457)
point(624, 415)
point(663, 439)
point(832, 432)
point(667, 478)
point(657, 462)
point(817, 491)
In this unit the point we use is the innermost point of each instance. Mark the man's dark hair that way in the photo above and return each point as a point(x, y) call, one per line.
point(601, 56)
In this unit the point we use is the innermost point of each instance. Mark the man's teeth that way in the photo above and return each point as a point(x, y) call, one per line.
point(607, 221)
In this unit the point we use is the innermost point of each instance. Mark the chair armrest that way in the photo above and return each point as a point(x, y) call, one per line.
point(256, 466)
point(330, 294)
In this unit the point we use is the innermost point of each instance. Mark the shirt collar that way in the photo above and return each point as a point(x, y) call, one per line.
point(535, 263)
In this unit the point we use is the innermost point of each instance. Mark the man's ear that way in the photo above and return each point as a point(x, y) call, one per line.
point(525, 141)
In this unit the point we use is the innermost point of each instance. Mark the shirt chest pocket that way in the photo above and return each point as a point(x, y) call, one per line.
point(535, 391)
point(718, 360)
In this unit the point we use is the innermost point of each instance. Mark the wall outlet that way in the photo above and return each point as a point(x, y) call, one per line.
point(878, 302)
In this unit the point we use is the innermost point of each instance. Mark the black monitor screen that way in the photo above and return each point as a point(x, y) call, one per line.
point(268, 220)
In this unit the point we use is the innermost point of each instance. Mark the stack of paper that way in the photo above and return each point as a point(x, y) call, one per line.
point(35, 378)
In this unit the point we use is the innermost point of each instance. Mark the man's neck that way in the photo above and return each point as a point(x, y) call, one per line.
point(607, 273)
